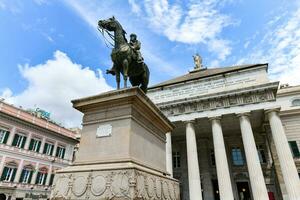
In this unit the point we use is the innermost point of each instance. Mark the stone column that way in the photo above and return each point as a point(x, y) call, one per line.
point(28, 141)
point(19, 171)
point(287, 164)
point(193, 164)
point(33, 179)
point(11, 136)
point(169, 162)
point(204, 160)
point(224, 181)
point(257, 181)
point(49, 175)
point(42, 145)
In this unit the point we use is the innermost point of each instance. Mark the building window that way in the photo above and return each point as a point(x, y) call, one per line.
point(26, 175)
point(3, 136)
point(19, 141)
point(237, 156)
point(176, 159)
point(261, 154)
point(8, 174)
point(296, 102)
point(212, 158)
point(60, 152)
point(41, 177)
point(294, 149)
point(35, 145)
point(48, 149)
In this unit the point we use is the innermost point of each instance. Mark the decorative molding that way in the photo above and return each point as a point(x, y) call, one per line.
point(110, 184)
point(216, 103)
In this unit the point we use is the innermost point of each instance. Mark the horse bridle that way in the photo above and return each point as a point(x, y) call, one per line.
point(106, 41)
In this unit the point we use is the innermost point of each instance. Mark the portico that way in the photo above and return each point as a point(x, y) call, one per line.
point(220, 145)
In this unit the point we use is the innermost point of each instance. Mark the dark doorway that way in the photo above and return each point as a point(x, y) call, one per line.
point(243, 190)
point(216, 189)
point(2, 197)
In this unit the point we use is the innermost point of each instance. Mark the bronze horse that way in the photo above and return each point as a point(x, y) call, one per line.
point(122, 56)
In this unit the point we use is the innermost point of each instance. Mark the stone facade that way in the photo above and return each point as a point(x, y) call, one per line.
point(243, 126)
point(31, 150)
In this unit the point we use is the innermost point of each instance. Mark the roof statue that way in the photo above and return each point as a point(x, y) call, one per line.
point(126, 57)
point(197, 61)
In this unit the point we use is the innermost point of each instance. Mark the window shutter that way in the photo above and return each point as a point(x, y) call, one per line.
point(13, 175)
point(30, 176)
point(45, 148)
point(51, 179)
point(45, 178)
point(31, 144)
point(37, 177)
point(39, 146)
point(22, 176)
point(4, 173)
point(14, 143)
point(57, 151)
point(6, 137)
point(63, 153)
point(51, 152)
point(23, 142)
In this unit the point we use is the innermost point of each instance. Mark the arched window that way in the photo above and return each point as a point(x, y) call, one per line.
point(296, 102)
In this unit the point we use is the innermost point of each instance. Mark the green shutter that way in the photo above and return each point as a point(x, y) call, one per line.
point(23, 142)
point(57, 151)
point(51, 179)
point(13, 175)
point(37, 177)
point(31, 144)
point(30, 177)
point(22, 176)
point(14, 143)
point(6, 137)
point(63, 154)
point(294, 148)
point(4, 173)
point(39, 146)
point(45, 148)
point(51, 152)
point(45, 178)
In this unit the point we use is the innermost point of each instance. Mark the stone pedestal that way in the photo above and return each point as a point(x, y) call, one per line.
point(121, 153)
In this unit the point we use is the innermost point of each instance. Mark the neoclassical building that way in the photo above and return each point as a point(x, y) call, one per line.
point(31, 150)
point(237, 133)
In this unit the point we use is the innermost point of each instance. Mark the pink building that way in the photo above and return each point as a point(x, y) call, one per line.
point(31, 150)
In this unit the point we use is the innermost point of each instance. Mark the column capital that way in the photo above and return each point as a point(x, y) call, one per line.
point(217, 117)
point(192, 121)
point(241, 114)
point(275, 109)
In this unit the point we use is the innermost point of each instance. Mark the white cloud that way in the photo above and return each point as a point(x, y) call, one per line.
point(134, 6)
point(199, 22)
point(53, 84)
point(280, 47)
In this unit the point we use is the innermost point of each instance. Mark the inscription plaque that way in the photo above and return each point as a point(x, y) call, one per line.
point(104, 130)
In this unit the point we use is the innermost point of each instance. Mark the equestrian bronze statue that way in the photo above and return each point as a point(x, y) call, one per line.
point(126, 57)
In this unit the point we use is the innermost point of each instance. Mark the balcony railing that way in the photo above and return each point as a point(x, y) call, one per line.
point(25, 186)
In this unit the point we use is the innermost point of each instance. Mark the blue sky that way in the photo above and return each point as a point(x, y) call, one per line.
point(51, 51)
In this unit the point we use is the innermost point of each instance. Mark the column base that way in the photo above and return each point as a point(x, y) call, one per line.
point(128, 181)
